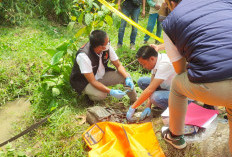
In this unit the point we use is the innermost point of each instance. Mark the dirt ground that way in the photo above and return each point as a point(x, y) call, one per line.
point(10, 113)
point(217, 144)
point(213, 144)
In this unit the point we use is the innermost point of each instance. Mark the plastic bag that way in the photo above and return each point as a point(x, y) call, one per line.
point(110, 139)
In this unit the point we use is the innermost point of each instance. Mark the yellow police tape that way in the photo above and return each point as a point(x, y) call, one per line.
point(129, 20)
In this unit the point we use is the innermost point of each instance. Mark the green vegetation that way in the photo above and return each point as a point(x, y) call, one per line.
point(36, 59)
point(36, 56)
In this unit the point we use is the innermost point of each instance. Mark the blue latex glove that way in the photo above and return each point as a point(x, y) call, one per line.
point(117, 93)
point(145, 113)
point(129, 83)
point(130, 113)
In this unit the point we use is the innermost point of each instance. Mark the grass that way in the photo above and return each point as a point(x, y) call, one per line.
point(23, 59)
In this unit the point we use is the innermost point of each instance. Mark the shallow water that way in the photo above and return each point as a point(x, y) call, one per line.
point(10, 113)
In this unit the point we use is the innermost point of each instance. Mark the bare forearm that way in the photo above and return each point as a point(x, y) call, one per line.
point(143, 97)
point(148, 92)
point(180, 66)
point(122, 71)
point(148, 103)
point(119, 2)
point(144, 5)
point(100, 86)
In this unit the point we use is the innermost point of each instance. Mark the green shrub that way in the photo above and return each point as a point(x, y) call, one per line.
point(55, 10)
point(14, 11)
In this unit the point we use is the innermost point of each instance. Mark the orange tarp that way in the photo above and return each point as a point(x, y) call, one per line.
point(110, 139)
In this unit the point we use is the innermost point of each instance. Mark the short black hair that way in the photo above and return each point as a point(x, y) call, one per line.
point(97, 38)
point(145, 52)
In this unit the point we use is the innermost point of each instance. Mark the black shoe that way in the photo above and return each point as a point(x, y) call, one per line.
point(88, 101)
point(208, 107)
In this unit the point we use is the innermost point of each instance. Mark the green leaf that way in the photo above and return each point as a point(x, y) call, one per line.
point(100, 14)
point(73, 18)
point(96, 6)
point(51, 52)
point(100, 24)
point(21, 154)
point(89, 29)
point(50, 83)
point(70, 52)
point(105, 9)
point(80, 32)
point(63, 46)
point(88, 18)
point(109, 20)
point(53, 108)
point(56, 58)
point(70, 26)
point(46, 75)
point(55, 91)
point(80, 18)
point(90, 3)
point(53, 105)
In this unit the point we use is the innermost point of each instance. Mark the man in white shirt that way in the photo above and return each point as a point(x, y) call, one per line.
point(91, 74)
point(162, 75)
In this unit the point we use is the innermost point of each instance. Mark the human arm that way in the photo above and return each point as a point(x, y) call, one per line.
point(119, 5)
point(144, 96)
point(158, 47)
point(155, 83)
point(122, 71)
point(120, 68)
point(147, 111)
point(144, 5)
point(98, 85)
point(180, 65)
point(178, 62)
point(151, 3)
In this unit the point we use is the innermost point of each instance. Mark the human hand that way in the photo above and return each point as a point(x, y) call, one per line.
point(130, 113)
point(117, 93)
point(145, 113)
point(157, 7)
point(119, 8)
point(143, 13)
point(129, 83)
point(158, 47)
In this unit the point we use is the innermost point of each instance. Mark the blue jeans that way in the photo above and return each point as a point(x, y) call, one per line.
point(151, 24)
point(134, 13)
point(159, 97)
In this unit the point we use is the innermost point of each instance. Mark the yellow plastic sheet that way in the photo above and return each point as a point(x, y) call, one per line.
point(110, 139)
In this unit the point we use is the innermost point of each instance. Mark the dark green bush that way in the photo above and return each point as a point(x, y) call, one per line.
point(14, 12)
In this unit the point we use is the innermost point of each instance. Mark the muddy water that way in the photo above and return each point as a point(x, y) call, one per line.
point(10, 113)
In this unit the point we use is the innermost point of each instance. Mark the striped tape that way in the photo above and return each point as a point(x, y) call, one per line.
point(130, 21)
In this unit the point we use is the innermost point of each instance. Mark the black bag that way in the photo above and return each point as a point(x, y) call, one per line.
point(101, 114)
